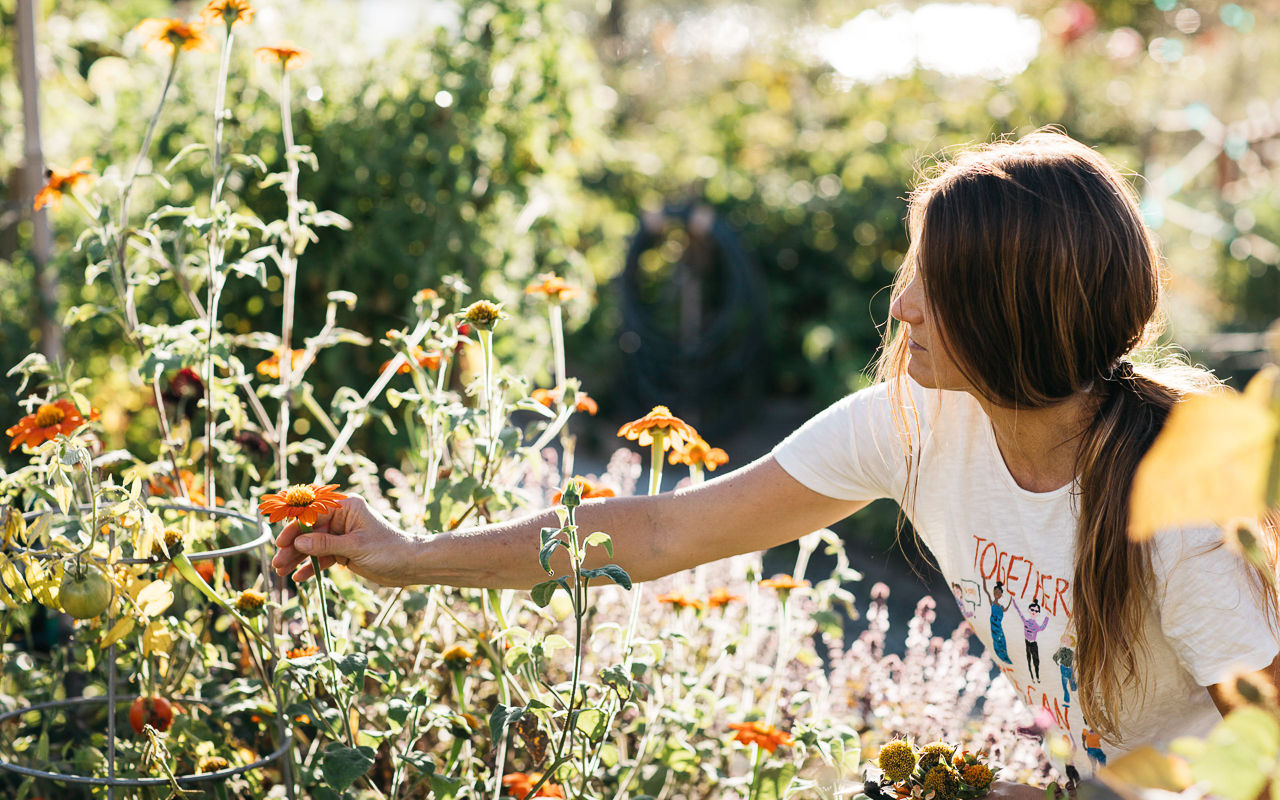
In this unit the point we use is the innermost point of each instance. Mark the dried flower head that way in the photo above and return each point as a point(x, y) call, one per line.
point(50, 420)
point(251, 602)
point(935, 753)
point(941, 782)
point(457, 658)
point(484, 314)
point(976, 776)
point(58, 182)
point(897, 760)
point(661, 424)
point(212, 764)
point(285, 54)
point(303, 502)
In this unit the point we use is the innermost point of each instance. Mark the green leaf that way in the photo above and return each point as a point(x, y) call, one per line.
point(501, 718)
point(443, 788)
point(194, 147)
point(542, 592)
point(591, 722)
point(419, 761)
point(600, 538)
point(353, 666)
point(341, 766)
point(774, 782)
point(613, 572)
point(544, 555)
point(1239, 754)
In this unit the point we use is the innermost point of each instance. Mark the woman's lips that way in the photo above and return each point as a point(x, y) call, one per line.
point(911, 344)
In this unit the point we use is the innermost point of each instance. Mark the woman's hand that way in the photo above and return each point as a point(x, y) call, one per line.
point(355, 537)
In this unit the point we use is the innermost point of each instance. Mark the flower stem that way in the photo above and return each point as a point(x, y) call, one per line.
point(557, 342)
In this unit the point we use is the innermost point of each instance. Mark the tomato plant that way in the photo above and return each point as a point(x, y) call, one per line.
point(84, 592)
point(154, 711)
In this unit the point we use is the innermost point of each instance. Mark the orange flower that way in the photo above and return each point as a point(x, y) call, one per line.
point(302, 652)
point(673, 430)
point(721, 598)
point(589, 490)
point(284, 54)
point(425, 295)
point(520, 784)
point(303, 502)
point(697, 453)
point(270, 368)
point(169, 36)
point(427, 359)
point(553, 286)
point(57, 182)
point(164, 485)
point(548, 398)
point(784, 583)
point(767, 736)
point(681, 600)
point(229, 11)
point(49, 420)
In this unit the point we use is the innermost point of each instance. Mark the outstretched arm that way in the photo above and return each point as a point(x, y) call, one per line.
point(750, 509)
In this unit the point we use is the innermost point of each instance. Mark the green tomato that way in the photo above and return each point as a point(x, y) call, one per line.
point(84, 592)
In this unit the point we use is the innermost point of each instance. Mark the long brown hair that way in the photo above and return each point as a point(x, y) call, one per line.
point(1044, 281)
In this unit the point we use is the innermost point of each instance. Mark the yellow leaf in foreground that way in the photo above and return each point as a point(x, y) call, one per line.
point(1145, 768)
point(118, 631)
point(1209, 464)
point(155, 598)
point(156, 638)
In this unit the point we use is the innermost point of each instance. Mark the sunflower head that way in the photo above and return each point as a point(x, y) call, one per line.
point(935, 753)
point(251, 602)
point(977, 776)
point(942, 782)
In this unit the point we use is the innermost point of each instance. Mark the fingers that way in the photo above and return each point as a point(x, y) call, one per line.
point(306, 571)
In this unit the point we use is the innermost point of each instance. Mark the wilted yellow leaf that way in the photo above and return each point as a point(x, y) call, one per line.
point(13, 581)
point(1209, 464)
point(156, 638)
point(1145, 768)
point(118, 631)
point(155, 598)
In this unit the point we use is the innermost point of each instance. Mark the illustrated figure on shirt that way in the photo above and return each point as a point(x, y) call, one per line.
point(1031, 629)
point(998, 645)
point(1065, 658)
point(966, 608)
point(1093, 747)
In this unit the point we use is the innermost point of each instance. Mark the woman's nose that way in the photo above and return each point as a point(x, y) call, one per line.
point(908, 307)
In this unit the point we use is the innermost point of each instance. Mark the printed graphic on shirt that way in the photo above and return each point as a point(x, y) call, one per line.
point(1041, 601)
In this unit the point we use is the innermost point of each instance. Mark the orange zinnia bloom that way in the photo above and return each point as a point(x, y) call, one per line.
point(57, 182)
point(425, 295)
point(48, 421)
point(284, 54)
point(674, 430)
point(681, 600)
point(229, 11)
point(303, 502)
point(767, 736)
point(721, 598)
point(784, 583)
point(168, 36)
point(270, 368)
point(302, 652)
point(583, 402)
point(164, 485)
point(589, 490)
point(697, 453)
point(427, 359)
point(519, 784)
point(553, 286)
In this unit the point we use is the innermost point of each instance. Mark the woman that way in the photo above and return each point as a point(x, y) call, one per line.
point(1008, 420)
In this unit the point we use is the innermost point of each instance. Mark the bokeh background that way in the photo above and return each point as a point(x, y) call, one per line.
point(727, 179)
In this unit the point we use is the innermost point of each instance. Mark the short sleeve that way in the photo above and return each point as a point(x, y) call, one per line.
point(1211, 606)
point(850, 451)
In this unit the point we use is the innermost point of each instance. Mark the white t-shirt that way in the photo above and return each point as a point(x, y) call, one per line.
point(983, 528)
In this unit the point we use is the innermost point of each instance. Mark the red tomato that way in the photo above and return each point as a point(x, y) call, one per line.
point(154, 711)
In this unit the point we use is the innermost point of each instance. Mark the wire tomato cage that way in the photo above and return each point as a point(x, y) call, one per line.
point(113, 698)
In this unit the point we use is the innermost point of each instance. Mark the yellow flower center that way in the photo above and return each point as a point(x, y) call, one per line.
point(49, 414)
point(300, 496)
